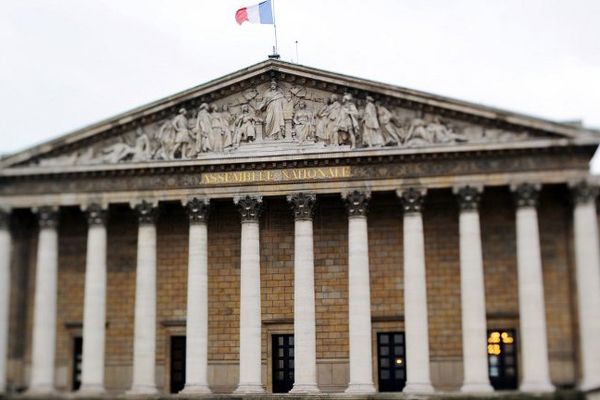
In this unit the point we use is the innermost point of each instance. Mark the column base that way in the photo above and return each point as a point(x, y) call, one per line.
point(195, 388)
point(249, 388)
point(537, 387)
point(306, 388)
point(359, 388)
point(476, 388)
point(589, 385)
point(91, 390)
point(417, 388)
point(41, 390)
point(142, 390)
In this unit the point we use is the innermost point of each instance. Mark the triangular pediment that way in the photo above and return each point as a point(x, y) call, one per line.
point(281, 108)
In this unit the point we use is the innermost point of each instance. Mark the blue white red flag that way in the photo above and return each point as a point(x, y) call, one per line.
point(260, 13)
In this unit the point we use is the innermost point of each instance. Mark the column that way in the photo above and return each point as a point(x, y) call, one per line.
point(250, 312)
point(532, 314)
point(44, 311)
point(196, 362)
point(587, 264)
point(359, 294)
point(415, 294)
point(5, 250)
point(94, 305)
point(144, 340)
point(305, 342)
point(472, 289)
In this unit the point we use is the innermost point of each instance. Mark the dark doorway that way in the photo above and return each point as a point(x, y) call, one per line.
point(502, 359)
point(177, 363)
point(77, 357)
point(283, 363)
point(391, 361)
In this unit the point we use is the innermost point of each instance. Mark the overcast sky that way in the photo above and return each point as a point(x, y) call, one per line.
point(67, 63)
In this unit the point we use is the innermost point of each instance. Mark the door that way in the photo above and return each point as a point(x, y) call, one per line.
point(177, 363)
point(77, 357)
point(502, 359)
point(283, 363)
point(391, 361)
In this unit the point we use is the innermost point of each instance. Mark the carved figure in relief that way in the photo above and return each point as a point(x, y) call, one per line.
point(391, 133)
point(203, 129)
point(226, 118)
point(182, 146)
point(440, 133)
point(122, 151)
point(418, 135)
point(217, 132)
point(304, 122)
point(288, 106)
point(273, 102)
point(371, 132)
point(327, 117)
point(244, 127)
point(166, 140)
point(346, 127)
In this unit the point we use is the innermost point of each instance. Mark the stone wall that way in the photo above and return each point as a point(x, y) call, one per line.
point(277, 248)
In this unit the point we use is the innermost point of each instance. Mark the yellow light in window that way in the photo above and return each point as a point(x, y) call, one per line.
point(494, 337)
point(399, 361)
point(494, 349)
point(506, 338)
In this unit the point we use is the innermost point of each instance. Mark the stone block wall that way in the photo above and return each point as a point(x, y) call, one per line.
point(277, 252)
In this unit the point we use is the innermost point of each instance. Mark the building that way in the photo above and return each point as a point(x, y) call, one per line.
point(286, 228)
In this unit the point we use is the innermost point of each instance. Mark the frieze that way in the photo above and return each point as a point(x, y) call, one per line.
point(278, 116)
point(276, 175)
point(372, 169)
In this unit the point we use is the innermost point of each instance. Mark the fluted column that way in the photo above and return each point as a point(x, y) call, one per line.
point(415, 294)
point(587, 263)
point(196, 369)
point(5, 250)
point(250, 312)
point(144, 340)
point(305, 346)
point(94, 311)
point(44, 311)
point(472, 289)
point(532, 314)
point(359, 294)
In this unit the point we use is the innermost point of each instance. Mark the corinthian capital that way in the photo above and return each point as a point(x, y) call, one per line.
point(96, 214)
point(412, 199)
point(357, 202)
point(583, 192)
point(147, 212)
point(249, 207)
point(526, 194)
point(4, 217)
point(47, 216)
point(197, 210)
point(468, 197)
point(302, 205)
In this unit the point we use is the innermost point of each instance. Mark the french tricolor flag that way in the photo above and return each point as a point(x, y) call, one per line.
point(260, 13)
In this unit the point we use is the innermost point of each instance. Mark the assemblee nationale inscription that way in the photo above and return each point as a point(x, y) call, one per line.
point(276, 175)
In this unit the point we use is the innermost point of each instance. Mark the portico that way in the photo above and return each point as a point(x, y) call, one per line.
point(435, 248)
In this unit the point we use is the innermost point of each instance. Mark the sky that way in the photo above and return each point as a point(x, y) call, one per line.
point(65, 64)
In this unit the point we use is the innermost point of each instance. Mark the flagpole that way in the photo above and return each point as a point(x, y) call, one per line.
point(275, 53)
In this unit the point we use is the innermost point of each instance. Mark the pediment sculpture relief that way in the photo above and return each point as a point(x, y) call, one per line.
point(286, 116)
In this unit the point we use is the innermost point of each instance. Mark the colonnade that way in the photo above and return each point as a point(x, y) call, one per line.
point(534, 352)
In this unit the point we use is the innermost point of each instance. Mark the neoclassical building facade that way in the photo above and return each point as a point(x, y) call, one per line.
point(287, 229)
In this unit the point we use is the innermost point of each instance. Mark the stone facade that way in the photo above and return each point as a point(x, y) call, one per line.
point(386, 201)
